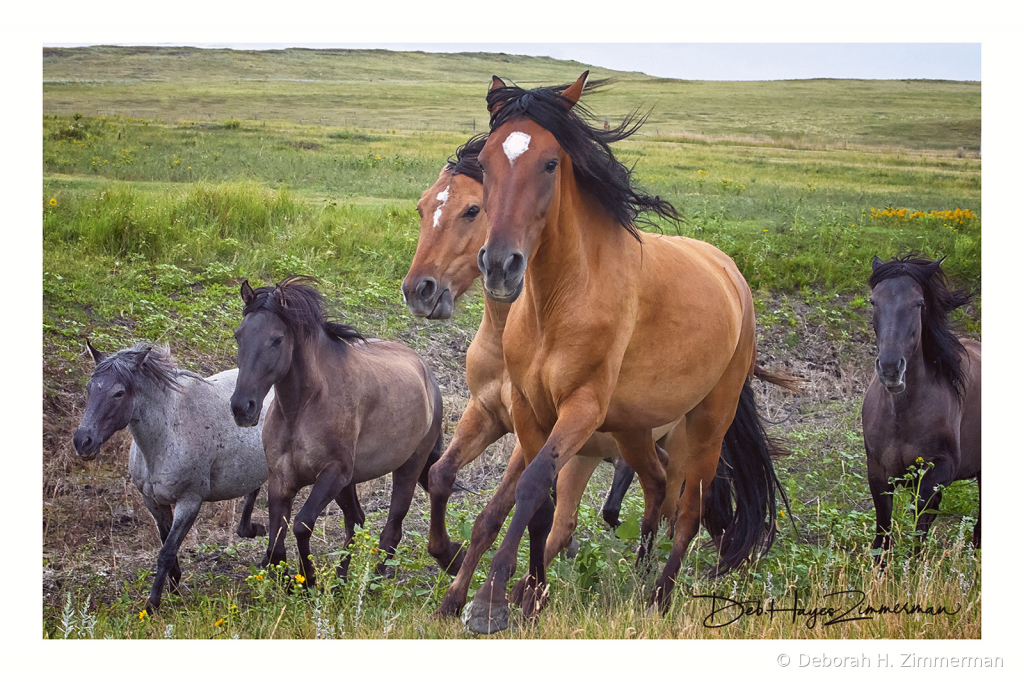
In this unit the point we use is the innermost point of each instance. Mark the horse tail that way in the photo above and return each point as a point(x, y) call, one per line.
point(789, 382)
point(741, 509)
point(432, 458)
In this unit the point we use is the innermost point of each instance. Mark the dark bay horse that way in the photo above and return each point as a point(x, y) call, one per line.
point(185, 449)
point(923, 405)
point(347, 410)
point(453, 227)
point(616, 330)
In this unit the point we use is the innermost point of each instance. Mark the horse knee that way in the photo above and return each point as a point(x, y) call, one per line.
point(441, 479)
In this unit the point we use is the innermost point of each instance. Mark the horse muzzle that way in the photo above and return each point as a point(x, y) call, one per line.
point(892, 375)
point(427, 299)
point(245, 411)
point(86, 445)
point(503, 272)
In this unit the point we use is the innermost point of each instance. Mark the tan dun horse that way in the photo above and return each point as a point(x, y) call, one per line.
point(453, 228)
point(346, 410)
point(923, 405)
point(452, 231)
point(614, 330)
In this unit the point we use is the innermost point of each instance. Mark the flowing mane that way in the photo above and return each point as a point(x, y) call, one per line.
point(598, 173)
point(940, 345)
point(301, 307)
point(466, 159)
point(144, 361)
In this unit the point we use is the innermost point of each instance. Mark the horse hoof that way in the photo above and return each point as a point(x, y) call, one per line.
point(385, 571)
point(449, 608)
point(258, 530)
point(534, 600)
point(573, 549)
point(451, 559)
point(486, 619)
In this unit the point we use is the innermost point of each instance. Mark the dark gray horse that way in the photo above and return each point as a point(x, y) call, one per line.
point(923, 406)
point(185, 450)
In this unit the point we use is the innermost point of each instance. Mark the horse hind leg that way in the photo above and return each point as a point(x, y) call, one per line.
point(477, 429)
point(246, 528)
point(403, 480)
point(354, 516)
point(620, 485)
point(328, 486)
point(640, 451)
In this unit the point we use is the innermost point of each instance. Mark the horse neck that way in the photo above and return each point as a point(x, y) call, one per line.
point(495, 315)
point(304, 380)
point(153, 418)
point(562, 263)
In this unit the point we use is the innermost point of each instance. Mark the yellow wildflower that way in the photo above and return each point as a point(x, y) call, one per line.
point(142, 614)
point(919, 460)
point(299, 578)
point(219, 623)
point(53, 201)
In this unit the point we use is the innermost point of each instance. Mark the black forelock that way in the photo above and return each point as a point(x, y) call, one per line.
point(301, 307)
point(466, 159)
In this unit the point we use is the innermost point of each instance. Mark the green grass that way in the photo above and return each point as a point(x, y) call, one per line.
point(153, 215)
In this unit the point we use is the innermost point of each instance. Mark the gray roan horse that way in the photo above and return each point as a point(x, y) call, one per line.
point(185, 449)
point(923, 405)
point(347, 411)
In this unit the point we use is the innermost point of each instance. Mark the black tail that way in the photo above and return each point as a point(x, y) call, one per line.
point(432, 458)
point(746, 479)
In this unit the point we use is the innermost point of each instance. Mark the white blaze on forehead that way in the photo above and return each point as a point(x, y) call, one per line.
point(514, 146)
point(443, 198)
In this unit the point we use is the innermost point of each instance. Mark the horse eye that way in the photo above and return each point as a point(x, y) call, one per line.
point(550, 166)
point(471, 212)
point(119, 394)
point(277, 342)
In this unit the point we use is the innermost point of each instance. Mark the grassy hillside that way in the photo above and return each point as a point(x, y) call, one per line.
point(418, 91)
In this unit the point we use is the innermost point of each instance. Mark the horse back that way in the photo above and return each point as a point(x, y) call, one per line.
point(389, 403)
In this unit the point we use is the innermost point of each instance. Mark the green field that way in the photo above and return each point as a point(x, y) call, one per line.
point(170, 174)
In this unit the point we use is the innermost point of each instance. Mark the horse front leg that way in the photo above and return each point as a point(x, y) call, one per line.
point(577, 421)
point(477, 429)
point(485, 530)
point(640, 451)
point(280, 495)
point(185, 512)
point(332, 480)
point(881, 494)
point(929, 497)
point(164, 517)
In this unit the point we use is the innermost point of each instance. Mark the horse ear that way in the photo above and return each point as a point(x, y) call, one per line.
point(495, 84)
point(247, 293)
point(97, 356)
point(141, 356)
point(932, 268)
point(875, 263)
point(280, 297)
point(573, 92)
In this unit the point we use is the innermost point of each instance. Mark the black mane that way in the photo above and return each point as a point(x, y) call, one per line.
point(143, 361)
point(598, 173)
point(940, 345)
point(301, 307)
point(466, 159)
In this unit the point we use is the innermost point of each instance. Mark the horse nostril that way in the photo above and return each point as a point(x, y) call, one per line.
point(426, 288)
point(250, 407)
point(902, 365)
point(513, 263)
point(481, 260)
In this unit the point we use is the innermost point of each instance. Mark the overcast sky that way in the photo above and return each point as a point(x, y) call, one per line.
point(721, 61)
